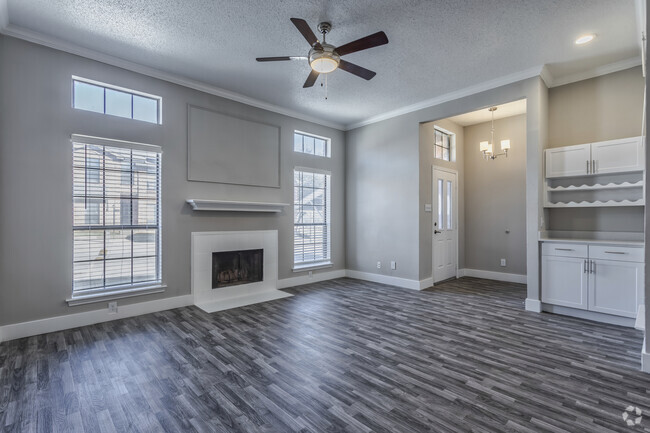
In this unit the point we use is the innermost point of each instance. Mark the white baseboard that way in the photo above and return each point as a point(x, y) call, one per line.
point(306, 279)
point(387, 279)
point(490, 275)
point(534, 305)
point(426, 283)
point(589, 315)
point(59, 323)
point(640, 318)
point(645, 358)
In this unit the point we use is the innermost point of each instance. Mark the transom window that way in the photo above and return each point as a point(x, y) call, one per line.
point(116, 215)
point(311, 144)
point(311, 233)
point(117, 101)
point(443, 145)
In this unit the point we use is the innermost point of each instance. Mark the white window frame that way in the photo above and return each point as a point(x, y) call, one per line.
point(327, 261)
point(119, 89)
point(84, 296)
point(328, 144)
point(452, 143)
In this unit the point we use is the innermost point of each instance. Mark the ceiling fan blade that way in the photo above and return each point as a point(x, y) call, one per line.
point(279, 59)
point(305, 30)
point(370, 41)
point(357, 70)
point(311, 79)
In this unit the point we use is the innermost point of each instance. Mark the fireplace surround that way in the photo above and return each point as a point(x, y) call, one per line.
point(223, 297)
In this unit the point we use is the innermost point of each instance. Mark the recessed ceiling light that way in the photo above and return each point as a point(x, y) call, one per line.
point(585, 39)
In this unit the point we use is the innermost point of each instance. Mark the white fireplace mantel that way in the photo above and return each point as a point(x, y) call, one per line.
point(235, 206)
point(206, 243)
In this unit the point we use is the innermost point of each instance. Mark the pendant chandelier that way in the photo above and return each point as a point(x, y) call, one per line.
point(487, 147)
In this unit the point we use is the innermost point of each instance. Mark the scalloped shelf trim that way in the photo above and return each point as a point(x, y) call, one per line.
point(609, 203)
point(586, 187)
point(235, 206)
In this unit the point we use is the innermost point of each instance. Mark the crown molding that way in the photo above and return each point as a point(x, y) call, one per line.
point(456, 94)
point(546, 76)
point(4, 15)
point(597, 72)
point(57, 44)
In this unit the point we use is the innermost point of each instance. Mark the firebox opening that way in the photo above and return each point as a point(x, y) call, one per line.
point(231, 268)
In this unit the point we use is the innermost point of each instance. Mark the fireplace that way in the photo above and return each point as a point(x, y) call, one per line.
point(232, 268)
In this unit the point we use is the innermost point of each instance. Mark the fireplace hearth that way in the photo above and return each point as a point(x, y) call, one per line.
point(232, 268)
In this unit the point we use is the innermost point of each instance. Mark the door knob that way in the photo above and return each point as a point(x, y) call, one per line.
point(435, 232)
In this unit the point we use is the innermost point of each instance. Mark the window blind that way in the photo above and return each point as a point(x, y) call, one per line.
point(116, 215)
point(311, 217)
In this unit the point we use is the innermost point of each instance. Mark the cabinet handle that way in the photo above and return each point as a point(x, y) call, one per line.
point(593, 166)
point(615, 252)
point(585, 267)
point(592, 267)
point(587, 161)
point(563, 249)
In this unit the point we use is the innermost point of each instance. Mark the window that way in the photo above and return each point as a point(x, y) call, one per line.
point(443, 145)
point(116, 224)
point(311, 144)
point(311, 223)
point(103, 98)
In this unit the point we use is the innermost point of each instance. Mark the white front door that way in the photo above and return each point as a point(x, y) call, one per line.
point(445, 228)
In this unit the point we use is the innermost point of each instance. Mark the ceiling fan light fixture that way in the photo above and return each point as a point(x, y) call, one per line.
point(325, 60)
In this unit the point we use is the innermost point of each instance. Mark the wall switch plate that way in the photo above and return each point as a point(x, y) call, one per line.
point(378, 265)
point(393, 265)
point(503, 262)
point(427, 207)
point(112, 307)
point(310, 274)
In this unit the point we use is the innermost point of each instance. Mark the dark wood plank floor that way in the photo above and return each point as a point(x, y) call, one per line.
point(341, 355)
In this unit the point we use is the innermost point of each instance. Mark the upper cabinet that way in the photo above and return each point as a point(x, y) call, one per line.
point(617, 156)
point(568, 161)
point(613, 156)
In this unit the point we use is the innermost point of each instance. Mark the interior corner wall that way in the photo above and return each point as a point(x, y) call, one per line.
point(495, 199)
point(427, 161)
point(391, 217)
point(36, 122)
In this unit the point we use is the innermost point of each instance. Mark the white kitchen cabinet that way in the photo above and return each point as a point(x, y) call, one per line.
point(617, 156)
point(615, 287)
point(568, 161)
point(564, 281)
point(602, 278)
point(613, 156)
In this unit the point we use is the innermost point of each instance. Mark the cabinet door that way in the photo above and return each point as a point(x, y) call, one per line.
point(616, 156)
point(564, 281)
point(568, 161)
point(615, 287)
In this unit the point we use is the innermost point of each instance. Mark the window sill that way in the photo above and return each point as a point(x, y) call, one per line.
point(117, 294)
point(312, 266)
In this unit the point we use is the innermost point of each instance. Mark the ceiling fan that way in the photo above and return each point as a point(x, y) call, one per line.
point(325, 58)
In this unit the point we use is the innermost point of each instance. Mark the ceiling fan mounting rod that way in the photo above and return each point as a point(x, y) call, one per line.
point(324, 28)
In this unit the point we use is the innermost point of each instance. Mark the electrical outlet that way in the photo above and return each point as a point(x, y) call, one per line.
point(112, 307)
point(393, 265)
point(378, 265)
point(503, 262)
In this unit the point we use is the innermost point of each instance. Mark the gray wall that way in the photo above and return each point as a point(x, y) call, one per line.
point(385, 206)
point(495, 198)
point(598, 109)
point(36, 177)
point(427, 161)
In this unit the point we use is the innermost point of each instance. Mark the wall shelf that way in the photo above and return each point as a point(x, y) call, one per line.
point(609, 203)
point(235, 206)
point(585, 187)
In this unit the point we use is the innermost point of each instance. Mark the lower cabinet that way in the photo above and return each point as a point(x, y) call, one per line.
point(605, 279)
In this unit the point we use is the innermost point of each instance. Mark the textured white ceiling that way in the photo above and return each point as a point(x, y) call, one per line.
point(484, 115)
point(436, 47)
